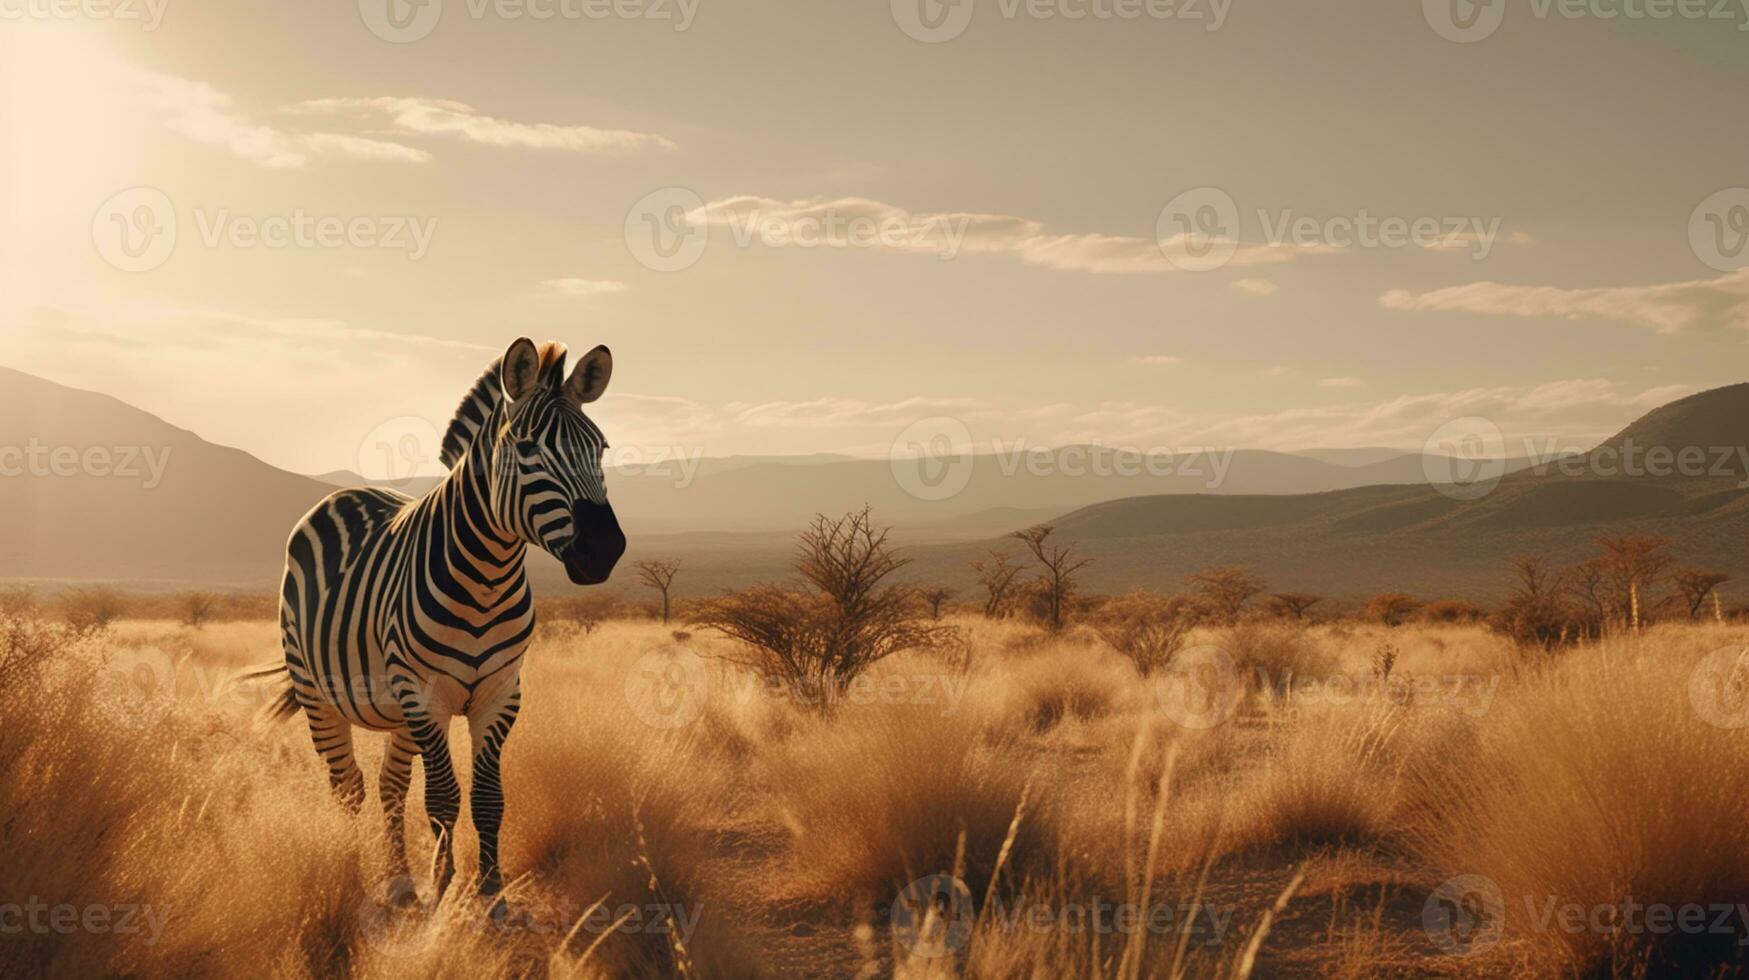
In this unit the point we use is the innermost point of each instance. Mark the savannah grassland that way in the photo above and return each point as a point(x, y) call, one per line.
point(669, 816)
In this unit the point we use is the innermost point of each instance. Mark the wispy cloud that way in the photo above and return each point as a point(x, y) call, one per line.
point(855, 222)
point(1257, 287)
point(457, 120)
point(1340, 382)
point(586, 287)
point(206, 115)
point(1667, 307)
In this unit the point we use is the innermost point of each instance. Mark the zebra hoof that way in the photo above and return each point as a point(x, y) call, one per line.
point(402, 893)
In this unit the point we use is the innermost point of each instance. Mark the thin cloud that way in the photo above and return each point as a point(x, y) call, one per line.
point(1667, 307)
point(457, 120)
point(1155, 360)
point(1340, 382)
point(1256, 287)
point(586, 287)
point(855, 222)
point(206, 115)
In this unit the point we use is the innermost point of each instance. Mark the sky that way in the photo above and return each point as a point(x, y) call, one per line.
point(812, 227)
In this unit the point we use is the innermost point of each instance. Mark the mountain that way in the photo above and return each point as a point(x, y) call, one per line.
point(94, 488)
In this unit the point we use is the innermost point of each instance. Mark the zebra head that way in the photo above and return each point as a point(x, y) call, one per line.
point(545, 460)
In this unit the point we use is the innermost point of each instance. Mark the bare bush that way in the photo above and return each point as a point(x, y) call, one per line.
point(1536, 615)
point(996, 574)
point(1146, 628)
point(818, 640)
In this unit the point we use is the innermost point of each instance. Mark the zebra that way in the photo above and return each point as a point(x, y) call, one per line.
point(398, 614)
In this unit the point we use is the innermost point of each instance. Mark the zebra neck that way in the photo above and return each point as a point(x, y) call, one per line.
point(479, 551)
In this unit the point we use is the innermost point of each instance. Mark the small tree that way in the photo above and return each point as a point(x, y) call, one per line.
point(1146, 628)
point(1391, 608)
point(1536, 615)
point(1295, 604)
point(996, 574)
point(93, 609)
point(197, 607)
point(1694, 585)
point(1226, 589)
point(1632, 566)
point(816, 641)
point(659, 575)
point(934, 597)
point(1056, 582)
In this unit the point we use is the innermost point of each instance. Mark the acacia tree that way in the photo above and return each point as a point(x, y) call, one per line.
point(1226, 589)
point(996, 574)
point(1056, 580)
point(1295, 604)
point(935, 596)
point(197, 607)
point(817, 640)
point(658, 574)
point(1695, 584)
point(1631, 567)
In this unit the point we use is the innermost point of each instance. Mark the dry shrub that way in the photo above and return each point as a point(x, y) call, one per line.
point(1451, 611)
point(1274, 655)
point(92, 609)
point(596, 812)
point(1061, 684)
point(817, 642)
point(880, 796)
point(1599, 783)
point(1146, 628)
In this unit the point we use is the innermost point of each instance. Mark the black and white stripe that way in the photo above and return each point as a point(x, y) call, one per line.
point(398, 614)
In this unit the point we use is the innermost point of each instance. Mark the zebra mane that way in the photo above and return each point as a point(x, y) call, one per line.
point(485, 397)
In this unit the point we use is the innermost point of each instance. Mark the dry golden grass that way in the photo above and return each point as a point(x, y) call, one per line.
point(1047, 779)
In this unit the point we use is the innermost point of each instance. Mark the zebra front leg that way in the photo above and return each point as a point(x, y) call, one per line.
point(429, 730)
point(488, 727)
point(396, 774)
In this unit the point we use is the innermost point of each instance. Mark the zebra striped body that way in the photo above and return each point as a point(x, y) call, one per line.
point(399, 615)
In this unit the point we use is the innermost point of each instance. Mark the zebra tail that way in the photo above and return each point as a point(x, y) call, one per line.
point(285, 701)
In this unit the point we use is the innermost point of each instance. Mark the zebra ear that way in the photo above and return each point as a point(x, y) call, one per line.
point(589, 378)
point(520, 369)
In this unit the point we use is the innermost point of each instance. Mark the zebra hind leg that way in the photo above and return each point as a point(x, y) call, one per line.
point(443, 795)
point(332, 735)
